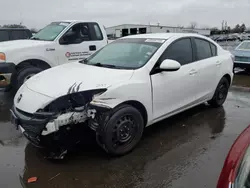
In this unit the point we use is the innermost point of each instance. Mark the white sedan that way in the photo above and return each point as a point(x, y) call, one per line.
point(126, 86)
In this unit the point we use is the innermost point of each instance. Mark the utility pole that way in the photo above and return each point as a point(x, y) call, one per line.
point(21, 22)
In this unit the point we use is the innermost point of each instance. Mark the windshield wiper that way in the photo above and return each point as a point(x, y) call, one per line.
point(84, 61)
point(35, 38)
point(104, 65)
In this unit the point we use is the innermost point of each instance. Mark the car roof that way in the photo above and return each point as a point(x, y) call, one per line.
point(73, 21)
point(164, 35)
point(234, 157)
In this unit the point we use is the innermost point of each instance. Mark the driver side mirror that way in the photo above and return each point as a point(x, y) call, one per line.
point(66, 39)
point(170, 65)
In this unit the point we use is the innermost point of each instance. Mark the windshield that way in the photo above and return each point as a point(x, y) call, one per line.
point(244, 46)
point(125, 53)
point(243, 175)
point(51, 31)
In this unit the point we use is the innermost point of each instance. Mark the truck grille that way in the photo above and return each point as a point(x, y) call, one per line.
point(245, 59)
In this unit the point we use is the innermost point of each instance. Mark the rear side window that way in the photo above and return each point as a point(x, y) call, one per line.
point(203, 49)
point(18, 35)
point(4, 36)
point(214, 49)
point(180, 51)
point(98, 32)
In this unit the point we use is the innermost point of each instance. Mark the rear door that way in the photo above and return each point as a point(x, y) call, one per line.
point(86, 39)
point(4, 35)
point(207, 65)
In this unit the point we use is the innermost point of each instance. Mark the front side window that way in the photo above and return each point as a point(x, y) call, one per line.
point(77, 34)
point(125, 53)
point(203, 49)
point(180, 51)
point(51, 31)
point(243, 175)
point(4, 36)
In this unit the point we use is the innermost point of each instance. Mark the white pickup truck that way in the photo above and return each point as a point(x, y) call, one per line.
point(58, 43)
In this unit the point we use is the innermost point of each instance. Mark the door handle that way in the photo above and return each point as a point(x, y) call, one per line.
point(92, 47)
point(218, 63)
point(192, 72)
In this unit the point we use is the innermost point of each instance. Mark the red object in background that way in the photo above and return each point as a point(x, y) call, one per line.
point(233, 160)
point(32, 179)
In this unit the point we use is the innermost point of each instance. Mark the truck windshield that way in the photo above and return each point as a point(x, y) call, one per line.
point(129, 53)
point(51, 31)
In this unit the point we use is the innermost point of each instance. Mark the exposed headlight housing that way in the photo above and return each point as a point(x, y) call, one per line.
point(72, 101)
point(2, 57)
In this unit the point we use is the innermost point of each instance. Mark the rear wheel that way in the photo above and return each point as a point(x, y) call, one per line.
point(220, 94)
point(24, 74)
point(123, 131)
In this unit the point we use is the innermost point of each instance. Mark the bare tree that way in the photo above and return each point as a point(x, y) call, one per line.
point(193, 25)
point(33, 30)
point(14, 26)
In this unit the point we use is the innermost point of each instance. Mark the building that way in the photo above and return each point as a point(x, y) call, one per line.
point(133, 29)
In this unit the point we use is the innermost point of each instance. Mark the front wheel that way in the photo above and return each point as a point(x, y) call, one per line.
point(123, 131)
point(220, 94)
point(24, 74)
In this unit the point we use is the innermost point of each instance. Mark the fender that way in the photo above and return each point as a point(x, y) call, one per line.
point(42, 58)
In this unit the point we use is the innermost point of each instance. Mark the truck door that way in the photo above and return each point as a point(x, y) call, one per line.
point(79, 42)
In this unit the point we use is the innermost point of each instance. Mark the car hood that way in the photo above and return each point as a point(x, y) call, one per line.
point(75, 77)
point(242, 53)
point(16, 44)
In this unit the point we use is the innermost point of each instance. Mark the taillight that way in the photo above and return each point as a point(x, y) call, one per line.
point(233, 58)
point(2, 57)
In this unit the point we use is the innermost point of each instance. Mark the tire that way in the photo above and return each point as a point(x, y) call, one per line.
point(220, 94)
point(123, 131)
point(25, 74)
point(247, 70)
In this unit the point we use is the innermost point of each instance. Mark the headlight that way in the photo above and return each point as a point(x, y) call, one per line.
point(2, 57)
point(71, 101)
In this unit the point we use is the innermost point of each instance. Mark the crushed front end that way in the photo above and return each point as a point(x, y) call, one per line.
point(55, 126)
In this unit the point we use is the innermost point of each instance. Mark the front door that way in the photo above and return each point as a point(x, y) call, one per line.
point(173, 91)
point(79, 42)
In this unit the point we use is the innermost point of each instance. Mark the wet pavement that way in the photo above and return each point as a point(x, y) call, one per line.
point(187, 150)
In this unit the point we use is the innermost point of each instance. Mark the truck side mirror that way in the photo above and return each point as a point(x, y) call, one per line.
point(66, 39)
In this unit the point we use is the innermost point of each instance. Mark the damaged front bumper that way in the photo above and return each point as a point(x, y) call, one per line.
point(41, 124)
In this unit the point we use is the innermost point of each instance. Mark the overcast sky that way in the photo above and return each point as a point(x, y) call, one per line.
point(38, 13)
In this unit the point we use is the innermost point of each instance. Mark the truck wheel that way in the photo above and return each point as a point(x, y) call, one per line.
point(220, 94)
point(123, 131)
point(24, 74)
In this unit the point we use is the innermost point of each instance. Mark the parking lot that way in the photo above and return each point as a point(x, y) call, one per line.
point(187, 150)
